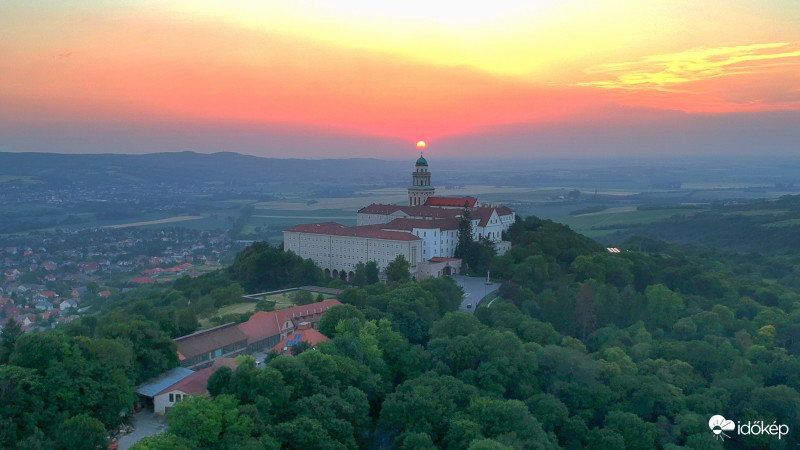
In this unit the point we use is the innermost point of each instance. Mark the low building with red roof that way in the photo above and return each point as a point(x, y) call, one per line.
point(194, 384)
point(142, 280)
point(265, 329)
point(451, 202)
point(199, 350)
point(304, 333)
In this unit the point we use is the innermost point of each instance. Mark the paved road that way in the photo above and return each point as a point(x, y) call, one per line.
point(145, 423)
point(475, 289)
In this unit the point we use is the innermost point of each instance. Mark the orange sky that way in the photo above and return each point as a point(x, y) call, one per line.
point(402, 72)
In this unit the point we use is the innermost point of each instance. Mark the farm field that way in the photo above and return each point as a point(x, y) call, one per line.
point(606, 222)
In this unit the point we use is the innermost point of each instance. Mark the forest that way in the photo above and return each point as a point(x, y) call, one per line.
point(584, 349)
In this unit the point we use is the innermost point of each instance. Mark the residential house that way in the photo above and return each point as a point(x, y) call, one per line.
point(43, 305)
point(68, 304)
point(194, 384)
point(149, 389)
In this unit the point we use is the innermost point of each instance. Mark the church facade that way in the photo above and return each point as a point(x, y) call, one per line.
point(425, 232)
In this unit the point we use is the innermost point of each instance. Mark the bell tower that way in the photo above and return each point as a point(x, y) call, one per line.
point(420, 188)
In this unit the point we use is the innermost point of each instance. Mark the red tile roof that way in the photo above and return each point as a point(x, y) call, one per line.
point(377, 208)
point(206, 341)
point(437, 259)
point(262, 324)
point(196, 383)
point(451, 201)
point(303, 334)
point(142, 280)
point(504, 211)
point(337, 229)
point(483, 214)
point(428, 224)
point(421, 212)
point(308, 313)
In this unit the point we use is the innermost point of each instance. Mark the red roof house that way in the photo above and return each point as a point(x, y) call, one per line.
point(303, 333)
point(194, 384)
point(265, 329)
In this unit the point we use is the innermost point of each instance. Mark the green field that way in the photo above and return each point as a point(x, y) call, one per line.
point(784, 223)
point(22, 178)
point(283, 300)
point(607, 222)
point(239, 308)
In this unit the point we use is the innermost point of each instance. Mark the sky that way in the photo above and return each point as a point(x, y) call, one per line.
point(329, 79)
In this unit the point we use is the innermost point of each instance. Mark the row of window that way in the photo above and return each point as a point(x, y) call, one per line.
point(176, 397)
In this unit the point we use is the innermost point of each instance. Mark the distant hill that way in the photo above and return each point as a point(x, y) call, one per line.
point(224, 167)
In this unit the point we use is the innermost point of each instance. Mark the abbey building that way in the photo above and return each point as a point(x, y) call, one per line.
point(425, 232)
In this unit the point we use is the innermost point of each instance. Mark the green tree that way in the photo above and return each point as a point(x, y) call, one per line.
point(415, 441)
point(332, 316)
point(154, 352)
point(79, 375)
point(637, 433)
point(219, 380)
point(360, 275)
point(21, 404)
point(371, 272)
point(163, 441)
point(210, 423)
point(488, 444)
point(11, 331)
point(81, 432)
point(301, 297)
point(464, 234)
point(426, 404)
point(585, 316)
point(299, 347)
point(663, 306)
point(549, 410)
point(262, 267)
point(501, 418)
point(397, 270)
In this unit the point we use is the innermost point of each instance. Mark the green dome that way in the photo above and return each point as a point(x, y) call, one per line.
point(421, 161)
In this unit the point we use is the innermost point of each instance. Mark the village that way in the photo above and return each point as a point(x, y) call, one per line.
point(53, 278)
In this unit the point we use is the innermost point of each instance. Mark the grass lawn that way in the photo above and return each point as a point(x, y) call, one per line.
point(239, 308)
point(283, 300)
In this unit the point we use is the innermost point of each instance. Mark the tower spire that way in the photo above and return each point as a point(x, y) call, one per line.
point(421, 187)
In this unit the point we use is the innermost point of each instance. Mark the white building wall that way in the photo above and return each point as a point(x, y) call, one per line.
point(342, 253)
point(371, 219)
point(161, 402)
point(437, 242)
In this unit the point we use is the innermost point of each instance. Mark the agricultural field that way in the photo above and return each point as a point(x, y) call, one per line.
point(609, 221)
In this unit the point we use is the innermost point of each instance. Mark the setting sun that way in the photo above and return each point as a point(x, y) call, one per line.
point(421, 144)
